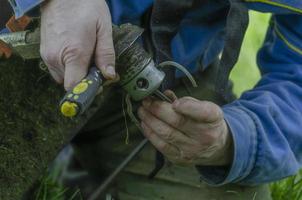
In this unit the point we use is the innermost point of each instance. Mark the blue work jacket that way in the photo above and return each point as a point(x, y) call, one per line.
point(265, 122)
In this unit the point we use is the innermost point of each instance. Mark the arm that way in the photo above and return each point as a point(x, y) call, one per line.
point(266, 122)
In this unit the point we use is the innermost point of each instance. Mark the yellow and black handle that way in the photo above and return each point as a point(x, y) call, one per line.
point(78, 99)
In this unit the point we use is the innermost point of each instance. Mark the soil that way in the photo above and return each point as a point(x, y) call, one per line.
point(32, 131)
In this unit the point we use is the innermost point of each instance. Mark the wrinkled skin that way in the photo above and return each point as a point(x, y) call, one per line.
point(74, 34)
point(187, 132)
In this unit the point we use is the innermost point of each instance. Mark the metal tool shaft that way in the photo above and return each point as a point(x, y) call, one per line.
point(102, 188)
point(162, 96)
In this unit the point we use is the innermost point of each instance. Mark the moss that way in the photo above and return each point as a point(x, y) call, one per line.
point(31, 129)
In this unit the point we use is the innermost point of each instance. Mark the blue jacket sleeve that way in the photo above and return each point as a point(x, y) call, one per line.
point(21, 7)
point(266, 122)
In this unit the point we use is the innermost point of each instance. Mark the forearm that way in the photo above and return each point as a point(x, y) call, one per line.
point(266, 121)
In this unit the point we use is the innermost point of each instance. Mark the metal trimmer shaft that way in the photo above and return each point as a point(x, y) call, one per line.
point(103, 187)
point(162, 96)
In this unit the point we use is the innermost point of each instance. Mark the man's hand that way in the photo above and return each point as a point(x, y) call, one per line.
point(73, 32)
point(189, 131)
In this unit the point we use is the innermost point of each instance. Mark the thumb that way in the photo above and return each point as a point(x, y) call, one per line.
point(201, 111)
point(104, 53)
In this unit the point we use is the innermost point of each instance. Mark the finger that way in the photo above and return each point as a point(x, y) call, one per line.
point(165, 148)
point(104, 52)
point(55, 68)
point(201, 111)
point(163, 130)
point(164, 111)
point(171, 95)
point(56, 74)
point(74, 73)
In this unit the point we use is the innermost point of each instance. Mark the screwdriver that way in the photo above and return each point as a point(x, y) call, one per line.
point(79, 98)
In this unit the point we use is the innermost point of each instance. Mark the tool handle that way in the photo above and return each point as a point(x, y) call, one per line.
point(78, 99)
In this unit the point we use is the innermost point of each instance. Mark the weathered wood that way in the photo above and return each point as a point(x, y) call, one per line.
point(32, 131)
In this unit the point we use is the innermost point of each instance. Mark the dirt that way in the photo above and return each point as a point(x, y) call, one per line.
point(32, 131)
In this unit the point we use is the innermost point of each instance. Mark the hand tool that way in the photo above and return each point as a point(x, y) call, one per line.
point(138, 76)
point(80, 97)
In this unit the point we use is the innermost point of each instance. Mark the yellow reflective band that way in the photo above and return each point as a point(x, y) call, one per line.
point(80, 88)
point(276, 4)
point(69, 109)
point(283, 38)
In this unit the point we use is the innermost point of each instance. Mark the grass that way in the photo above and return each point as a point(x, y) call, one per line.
point(290, 188)
point(245, 75)
point(51, 189)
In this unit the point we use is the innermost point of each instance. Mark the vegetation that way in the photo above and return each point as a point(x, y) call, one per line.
point(50, 189)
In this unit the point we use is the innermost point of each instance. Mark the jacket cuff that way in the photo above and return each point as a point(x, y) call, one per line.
point(243, 130)
point(21, 7)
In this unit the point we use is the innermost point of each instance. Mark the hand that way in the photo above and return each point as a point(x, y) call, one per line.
point(72, 33)
point(188, 132)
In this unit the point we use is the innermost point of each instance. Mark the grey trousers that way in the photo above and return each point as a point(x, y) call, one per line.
point(101, 147)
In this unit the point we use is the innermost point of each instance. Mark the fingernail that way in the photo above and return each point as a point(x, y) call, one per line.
point(110, 70)
point(147, 102)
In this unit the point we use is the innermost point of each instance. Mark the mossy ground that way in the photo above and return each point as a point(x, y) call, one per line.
point(27, 118)
point(31, 129)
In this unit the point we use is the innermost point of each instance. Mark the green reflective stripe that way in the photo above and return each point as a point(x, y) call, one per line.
point(276, 4)
point(290, 45)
